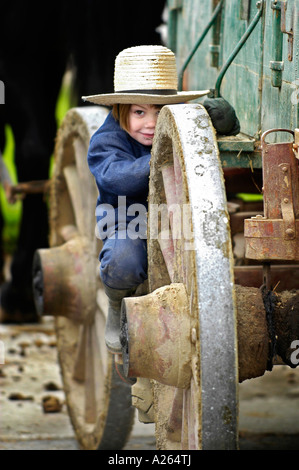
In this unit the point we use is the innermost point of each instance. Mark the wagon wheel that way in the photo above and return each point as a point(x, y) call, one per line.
point(98, 401)
point(186, 173)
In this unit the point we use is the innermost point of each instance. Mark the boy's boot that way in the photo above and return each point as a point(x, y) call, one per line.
point(112, 329)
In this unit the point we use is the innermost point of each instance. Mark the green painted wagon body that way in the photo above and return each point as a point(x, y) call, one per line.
point(262, 80)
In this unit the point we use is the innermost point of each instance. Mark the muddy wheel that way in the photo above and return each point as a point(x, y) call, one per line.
point(186, 178)
point(68, 286)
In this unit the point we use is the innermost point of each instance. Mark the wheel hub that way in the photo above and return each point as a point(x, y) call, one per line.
point(156, 334)
point(64, 282)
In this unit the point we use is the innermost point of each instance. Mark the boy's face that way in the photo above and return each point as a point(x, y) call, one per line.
point(142, 121)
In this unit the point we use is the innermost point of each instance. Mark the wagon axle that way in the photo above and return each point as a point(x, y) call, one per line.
point(158, 335)
point(158, 339)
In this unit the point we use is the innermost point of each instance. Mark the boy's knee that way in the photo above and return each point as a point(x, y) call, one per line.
point(123, 266)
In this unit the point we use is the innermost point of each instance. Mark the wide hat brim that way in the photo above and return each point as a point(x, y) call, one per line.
point(144, 98)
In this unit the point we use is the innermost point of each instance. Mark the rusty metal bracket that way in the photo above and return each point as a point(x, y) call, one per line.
point(281, 6)
point(274, 236)
point(287, 203)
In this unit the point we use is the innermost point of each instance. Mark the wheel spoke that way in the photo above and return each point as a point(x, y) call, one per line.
point(80, 151)
point(102, 354)
point(74, 188)
point(102, 303)
point(194, 417)
point(185, 420)
point(167, 249)
point(88, 187)
point(100, 364)
point(170, 244)
point(90, 388)
point(172, 200)
point(169, 184)
point(178, 178)
point(174, 426)
point(67, 232)
point(79, 365)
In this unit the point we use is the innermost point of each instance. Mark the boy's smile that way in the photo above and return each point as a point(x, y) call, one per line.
point(142, 121)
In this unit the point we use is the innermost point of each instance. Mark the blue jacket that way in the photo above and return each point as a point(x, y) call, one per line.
point(120, 166)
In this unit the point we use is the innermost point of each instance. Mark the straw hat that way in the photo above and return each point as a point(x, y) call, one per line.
point(145, 75)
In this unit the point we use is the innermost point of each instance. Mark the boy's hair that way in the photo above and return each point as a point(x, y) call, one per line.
point(121, 111)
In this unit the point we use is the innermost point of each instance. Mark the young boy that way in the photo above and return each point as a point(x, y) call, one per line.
point(145, 79)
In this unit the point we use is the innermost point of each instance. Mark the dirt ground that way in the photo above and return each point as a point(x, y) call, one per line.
point(269, 405)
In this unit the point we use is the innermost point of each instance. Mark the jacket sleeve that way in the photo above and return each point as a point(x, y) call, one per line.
point(114, 167)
